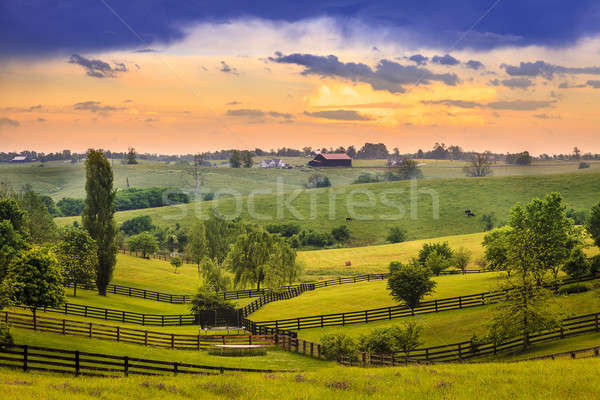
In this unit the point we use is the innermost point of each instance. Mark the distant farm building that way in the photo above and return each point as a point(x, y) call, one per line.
point(19, 159)
point(331, 160)
point(275, 163)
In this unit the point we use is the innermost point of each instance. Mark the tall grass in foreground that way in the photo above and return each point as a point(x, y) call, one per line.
point(560, 379)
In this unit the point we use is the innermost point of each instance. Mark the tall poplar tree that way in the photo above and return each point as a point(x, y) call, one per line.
point(98, 215)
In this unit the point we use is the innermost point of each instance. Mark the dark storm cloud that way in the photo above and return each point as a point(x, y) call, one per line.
point(255, 113)
point(418, 59)
point(543, 69)
point(97, 68)
point(387, 75)
point(445, 60)
point(227, 69)
point(474, 64)
point(340, 115)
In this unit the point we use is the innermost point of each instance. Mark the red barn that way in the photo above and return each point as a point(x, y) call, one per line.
point(331, 160)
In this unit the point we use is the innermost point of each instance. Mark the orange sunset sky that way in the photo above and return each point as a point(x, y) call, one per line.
point(234, 84)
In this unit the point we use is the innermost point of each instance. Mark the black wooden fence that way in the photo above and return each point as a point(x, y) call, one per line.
point(128, 335)
point(378, 314)
point(468, 349)
point(34, 358)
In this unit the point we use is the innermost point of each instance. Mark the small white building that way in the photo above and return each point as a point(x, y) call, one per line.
point(19, 159)
point(274, 163)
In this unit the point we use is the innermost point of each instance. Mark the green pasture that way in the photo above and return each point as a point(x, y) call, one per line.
point(534, 380)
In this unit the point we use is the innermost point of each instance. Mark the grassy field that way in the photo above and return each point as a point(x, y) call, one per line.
point(546, 379)
point(458, 325)
point(365, 295)
point(274, 359)
point(435, 208)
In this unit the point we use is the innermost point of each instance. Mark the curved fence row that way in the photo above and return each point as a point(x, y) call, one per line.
point(34, 358)
point(386, 313)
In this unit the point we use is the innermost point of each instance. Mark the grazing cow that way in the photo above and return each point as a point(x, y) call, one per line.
point(470, 215)
point(348, 219)
point(348, 263)
point(467, 212)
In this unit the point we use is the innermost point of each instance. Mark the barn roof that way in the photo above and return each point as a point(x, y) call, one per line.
point(336, 156)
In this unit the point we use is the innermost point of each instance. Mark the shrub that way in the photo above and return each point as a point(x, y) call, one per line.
point(577, 265)
point(139, 224)
point(144, 242)
point(208, 196)
point(573, 289)
point(286, 229)
point(70, 207)
point(404, 338)
point(436, 262)
point(594, 264)
point(461, 258)
point(176, 263)
point(207, 298)
point(410, 282)
point(318, 239)
point(341, 233)
point(396, 235)
point(578, 217)
point(336, 345)
point(488, 221)
point(318, 181)
point(5, 335)
point(443, 249)
point(583, 165)
point(365, 177)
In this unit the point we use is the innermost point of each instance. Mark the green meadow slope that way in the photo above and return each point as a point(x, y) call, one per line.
point(431, 208)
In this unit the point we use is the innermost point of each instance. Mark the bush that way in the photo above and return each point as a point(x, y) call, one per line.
point(318, 181)
point(341, 233)
point(176, 263)
point(207, 298)
point(443, 249)
point(318, 239)
point(336, 345)
point(583, 165)
point(594, 264)
point(404, 338)
point(136, 225)
point(461, 258)
point(573, 289)
point(437, 262)
point(144, 242)
point(208, 196)
point(286, 229)
point(5, 335)
point(410, 283)
point(365, 177)
point(396, 235)
point(577, 265)
point(70, 207)
point(578, 217)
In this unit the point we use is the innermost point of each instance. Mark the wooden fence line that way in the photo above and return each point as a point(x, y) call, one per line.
point(34, 358)
point(594, 352)
point(466, 350)
point(128, 335)
point(387, 313)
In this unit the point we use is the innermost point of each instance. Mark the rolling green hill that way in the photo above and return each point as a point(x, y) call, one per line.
point(429, 208)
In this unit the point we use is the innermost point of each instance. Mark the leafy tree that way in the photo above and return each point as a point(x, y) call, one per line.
point(396, 234)
point(235, 160)
point(220, 235)
point(496, 249)
point(77, 255)
point(207, 298)
point(410, 282)
point(214, 275)
point(35, 281)
point(366, 177)
point(593, 225)
point(523, 158)
point(196, 248)
point(577, 265)
point(135, 225)
point(406, 169)
point(13, 238)
point(144, 242)
point(286, 229)
point(50, 206)
point(373, 151)
point(247, 159)
point(488, 221)
point(256, 254)
point(131, 156)
point(70, 207)
point(437, 262)
point(443, 249)
point(318, 181)
point(10, 210)
point(479, 165)
point(578, 217)
point(462, 257)
point(404, 338)
point(98, 215)
point(38, 221)
point(176, 263)
point(341, 233)
point(334, 346)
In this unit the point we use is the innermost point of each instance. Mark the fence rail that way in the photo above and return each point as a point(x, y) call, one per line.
point(387, 313)
point(128, 335)
point(34, 358)
point(468, 349)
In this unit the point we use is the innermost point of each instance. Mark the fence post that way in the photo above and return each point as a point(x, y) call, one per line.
point(85, 311)
point(63, 327)
point(145, 338)
point(90, 329)
point(118, 334)
point(312, 348)
point(318, 350)
point(76, 362)
point(175, 365)
point(436, 306)
point(126, 366)
point(25, 354)
point(596, 322)
point(460, 302)
point(172, 341)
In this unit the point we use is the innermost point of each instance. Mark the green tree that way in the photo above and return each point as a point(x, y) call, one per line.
point(144, 242)
point(256, 254)
point(247, 160)
point(577, 265)
point(436, 262)
point(443, 249)
point(35, 281)
point(38, 221)
point(410, 282)
point(70, 207)
point(13, 238)
point(50, 206)
point(131, 156)
point(207, 298)
point(593, 225)
point(235, 159)
point(318, 181)
point(135, 225)
point(176, 262)
point(396, 234)
point(98, 215)
point(196, 248)
point(479, 165)
point(334, 346)
point(213, 274)
point(341, 233)
point(462, 257)
point(496, 249)
point(77, 255)
point(398, 338)
point(488, 221)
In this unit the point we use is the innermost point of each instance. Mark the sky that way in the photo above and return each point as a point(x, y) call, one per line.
point(190, 76)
